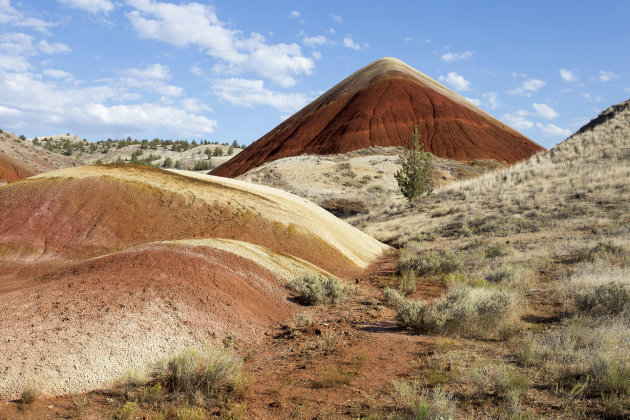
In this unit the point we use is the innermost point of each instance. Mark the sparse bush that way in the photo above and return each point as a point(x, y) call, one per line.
point(502, 273)
point(455, 279)
point(433, 263)
point(586, 352)
point(190, 413)
point(303, 320)
point(211, 373)
point(168, 163)
point(127, 411)
point(605, 299)
point(462, 310)
point(606, 251)
point(332, 377)
point(495, 251)
point(28, 395)
point(408, 282)
point(418, 403)
point(329, 343)
point(312, 289)
point(80, 402)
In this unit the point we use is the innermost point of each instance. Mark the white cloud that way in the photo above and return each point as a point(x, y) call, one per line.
point(5, 111)
point(317, 55)
point(596, 98)
point(314, 41)
point(336, 19)
point(456, 81)
point(451, 56)
point(196, 70)
point(349, 43)
point(9, 15)
point(474, 101)
point(57, 74)
point(545, 111)
point(550, 130)
point(568, 75)
point(152, 78)
point(55, 48)
point(294, 14)
point(527, 87)
point(48, 107)
point(518, 120)
point(247, 93)
point(492, 98)
point(196, 24)
point(606, 76)
point(92, 6)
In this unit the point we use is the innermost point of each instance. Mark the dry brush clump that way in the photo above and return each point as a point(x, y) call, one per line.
point(312, 289)
point(463, 310)
point(419, 403)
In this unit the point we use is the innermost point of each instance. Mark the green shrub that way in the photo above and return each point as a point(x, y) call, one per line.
point(416, 164)
point(190, 413)
point(431, 264)
point(312, 289)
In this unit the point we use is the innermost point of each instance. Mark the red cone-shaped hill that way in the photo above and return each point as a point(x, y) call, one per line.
point(379, 106)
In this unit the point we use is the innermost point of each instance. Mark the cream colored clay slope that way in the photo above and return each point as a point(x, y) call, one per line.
point(267, 203)
point(286, 267)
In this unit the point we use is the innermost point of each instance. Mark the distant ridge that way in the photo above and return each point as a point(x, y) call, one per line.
point(378, 106)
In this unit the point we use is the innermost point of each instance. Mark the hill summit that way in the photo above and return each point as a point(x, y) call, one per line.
point(378, 106)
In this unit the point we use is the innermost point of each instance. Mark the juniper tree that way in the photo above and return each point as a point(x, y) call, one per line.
point(413, 176)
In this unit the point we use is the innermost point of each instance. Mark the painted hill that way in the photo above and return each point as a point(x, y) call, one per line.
point(93, 210)
point(378, 106)
point(105, 268)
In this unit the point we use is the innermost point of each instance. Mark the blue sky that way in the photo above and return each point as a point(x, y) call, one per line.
point(228, 70)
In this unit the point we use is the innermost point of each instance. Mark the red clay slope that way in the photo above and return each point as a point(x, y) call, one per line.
point(379, 106)
point(90, 211)
point(11, 171)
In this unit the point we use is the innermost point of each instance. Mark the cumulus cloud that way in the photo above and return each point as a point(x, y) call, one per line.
point(518, 119)
point(349, 43)
point(56, 74)
point(55, 48)
point(456, 81)
point(196, 70)
point(47, 105)
point(527, 87)
point(248, 92)
point(492, 100)
point(11, 16)
point(550, 130)
point(195, 24)
point(452, 56)
point(336, 19)
point(314, 41)
point(294, 14)
point(568, 75)
point(474, 101)
point(596, 98)
point(545, 111)
point(92, 6)
point(606, 76)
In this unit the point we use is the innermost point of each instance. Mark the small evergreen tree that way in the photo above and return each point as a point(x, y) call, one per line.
point(413, 176)
point(168, 162)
